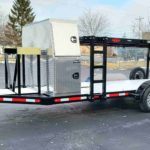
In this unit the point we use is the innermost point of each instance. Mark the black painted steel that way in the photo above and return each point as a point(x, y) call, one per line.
point(93, 67)
point(148, 61)
point(10, 51)
point(6, 73)
point(19, 75)
point(15, 75)
point(104, 71)
point(39, 74)
point(23, 71)
point(121, 42)
point(105, 42)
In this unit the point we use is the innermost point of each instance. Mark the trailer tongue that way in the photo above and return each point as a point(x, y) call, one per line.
point(51, 73)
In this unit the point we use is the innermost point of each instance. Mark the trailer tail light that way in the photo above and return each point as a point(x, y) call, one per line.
point(116, 40)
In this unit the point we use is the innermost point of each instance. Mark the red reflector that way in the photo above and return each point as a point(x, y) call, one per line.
point(19, 100)
point(75, 98)
point(96, 97)
point(116, 40)
point(57, 100)
point(114, 95)
point(37, 101)
point(127, 94)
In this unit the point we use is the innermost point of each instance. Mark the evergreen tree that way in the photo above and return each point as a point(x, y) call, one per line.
point(21, 14)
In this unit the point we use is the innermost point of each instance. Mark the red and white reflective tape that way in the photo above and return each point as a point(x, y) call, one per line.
point(117, 94)
point(73, 99)
point(70, 99)
point(20, 100)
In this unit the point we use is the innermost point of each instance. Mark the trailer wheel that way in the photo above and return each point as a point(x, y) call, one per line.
point(144, 96)
point(137, 73)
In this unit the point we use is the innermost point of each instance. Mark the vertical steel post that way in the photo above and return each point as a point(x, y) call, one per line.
point(39, 74)
point(104, 70)
point(91, 67)
point(23, 71)
point(147, 67)
point(15, 75)
point(19, 75)
point(6, 73)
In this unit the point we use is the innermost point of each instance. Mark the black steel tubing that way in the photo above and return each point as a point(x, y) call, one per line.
point(15, 75)
point(39, 74)
point(6, 73)
point(147, 65)
point(19, 75)
point(104, 70)
point(91, 67)
point(23, 71)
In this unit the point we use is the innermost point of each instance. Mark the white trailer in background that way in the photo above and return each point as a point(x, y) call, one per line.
point(50, 73)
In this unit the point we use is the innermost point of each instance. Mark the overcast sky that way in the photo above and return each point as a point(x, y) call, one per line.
point(121, 13)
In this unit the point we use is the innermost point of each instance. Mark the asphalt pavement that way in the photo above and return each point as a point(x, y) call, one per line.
point(76, 126)
point(115, 125)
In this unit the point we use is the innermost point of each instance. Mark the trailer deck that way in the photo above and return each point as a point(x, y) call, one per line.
point(24, 91)
point(112, 87)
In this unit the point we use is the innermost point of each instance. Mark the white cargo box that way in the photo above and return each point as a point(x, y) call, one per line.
point(59, 37)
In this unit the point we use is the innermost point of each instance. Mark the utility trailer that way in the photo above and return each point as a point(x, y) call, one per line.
point(17, 89)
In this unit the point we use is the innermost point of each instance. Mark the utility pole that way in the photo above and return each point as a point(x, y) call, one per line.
point(124, 35)
point(139, 19)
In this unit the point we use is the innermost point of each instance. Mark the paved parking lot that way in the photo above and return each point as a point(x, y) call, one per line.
point(78, 126)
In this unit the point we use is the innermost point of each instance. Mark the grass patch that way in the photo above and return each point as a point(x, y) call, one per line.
point(120, 65)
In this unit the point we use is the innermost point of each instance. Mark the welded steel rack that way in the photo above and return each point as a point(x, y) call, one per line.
point(45, 99)
point(106, 42)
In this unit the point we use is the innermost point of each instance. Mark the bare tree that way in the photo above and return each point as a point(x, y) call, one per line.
point(138, 27)
point(5, 32)
point(11, 36)
point(92, 23)
point(4, 41)
point(141, 26)
point(2, 29)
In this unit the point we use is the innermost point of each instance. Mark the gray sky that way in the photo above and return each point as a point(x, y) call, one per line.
point(121, 14)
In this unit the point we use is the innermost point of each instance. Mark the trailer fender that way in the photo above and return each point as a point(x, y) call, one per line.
point(143, 96)
point(141, 90)
point(137, 73)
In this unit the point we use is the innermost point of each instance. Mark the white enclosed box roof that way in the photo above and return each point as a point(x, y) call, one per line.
point(59, 37)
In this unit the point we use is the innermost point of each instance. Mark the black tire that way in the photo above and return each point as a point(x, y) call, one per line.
point(137, 74)
point(145, 101)
point(142, 96)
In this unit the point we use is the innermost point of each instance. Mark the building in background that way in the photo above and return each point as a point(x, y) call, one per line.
point(146, 35)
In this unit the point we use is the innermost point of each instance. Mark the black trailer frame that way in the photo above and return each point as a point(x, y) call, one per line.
point(44, 99)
